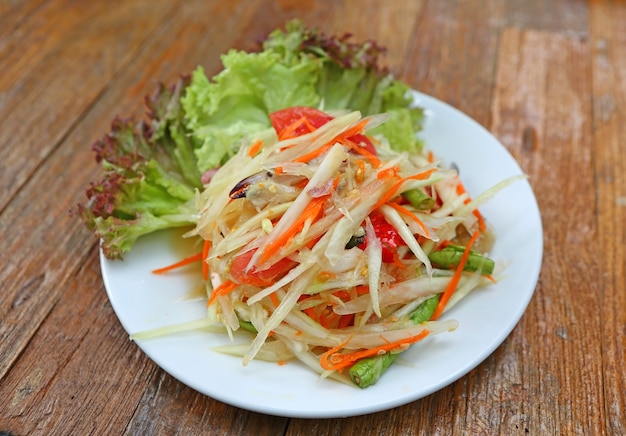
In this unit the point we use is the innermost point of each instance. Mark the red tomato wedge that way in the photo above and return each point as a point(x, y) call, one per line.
point(389, 237)
point(294, 117)
point(300, 120)
point(254, 277)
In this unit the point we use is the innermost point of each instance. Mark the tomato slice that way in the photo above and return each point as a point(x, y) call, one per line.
point(254, 277)
point(289, 118)
point(389, 237)
point(286, 117)
point(365, 142)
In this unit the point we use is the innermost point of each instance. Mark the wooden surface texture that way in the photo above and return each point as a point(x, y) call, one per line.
point(547, 78)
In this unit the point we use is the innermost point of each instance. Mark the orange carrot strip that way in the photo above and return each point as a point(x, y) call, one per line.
point(361, 150)
point(403, 210)
point(288, 131)
point(311, 212)
point(362, 289)
point(357, 128)
point(310, 312)
point(481, 221)
point(180, 263)
point(421, 176)
point(332, 360)
point(431, 157)
point(255, 148)
point(490, 278)
point(205, 253)
point(454, 281)
point(391, 192)
point(460, 190)
point(315, 153)
point(223, 289)
point(342, 138)
point(309, 126)
point(329, 320)
point(388, 173)
point(274, 299)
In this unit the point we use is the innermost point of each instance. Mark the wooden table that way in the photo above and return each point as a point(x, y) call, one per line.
point(547, 78)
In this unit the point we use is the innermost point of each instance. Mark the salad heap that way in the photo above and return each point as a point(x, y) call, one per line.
point(329, 232)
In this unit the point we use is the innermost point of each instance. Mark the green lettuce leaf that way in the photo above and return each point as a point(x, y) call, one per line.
point(297, 67)
point(150, 176)
point(152, 169)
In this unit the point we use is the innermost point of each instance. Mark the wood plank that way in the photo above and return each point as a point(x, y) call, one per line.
point(46, 86)
point(541, 113)
point(79, 356)
point(13, 14)
point(389, 26)
point(159, 413)
point(608, 40)
point(36, 263)
point(180, 44)
point(556, 16)
point(452, 54)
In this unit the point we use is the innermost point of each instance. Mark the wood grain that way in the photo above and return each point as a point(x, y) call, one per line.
point(42, 111)
point(547, 78)
point(541, 108)
point(609, 133)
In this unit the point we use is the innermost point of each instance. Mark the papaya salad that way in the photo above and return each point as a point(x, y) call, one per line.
point(328, 231)
point(335, 250)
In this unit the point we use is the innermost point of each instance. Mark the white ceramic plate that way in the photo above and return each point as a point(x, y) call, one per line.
point(142, 301)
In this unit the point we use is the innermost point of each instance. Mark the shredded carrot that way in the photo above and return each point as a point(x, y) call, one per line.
point(288, 131)
point(460, 190)
point(443, 244)
point(431, 156)
point(341, 138)
point(403, 210)
point(278, 171)
point(362, 289)
point(388, 173)
point(332, 360)
point(180, 263)
point(314, 153)
point(255, 148)
point(205, 253)
point(361, 150)
point(454, 281)
point(481, 221)
point(310, 213)
point(310, 312)
point(274, 299)
point(329, 319)
point(490, 278)
point(223, 289)
point(421, 176)
point(353, 130)
point(282, 362)
point(391, 192)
